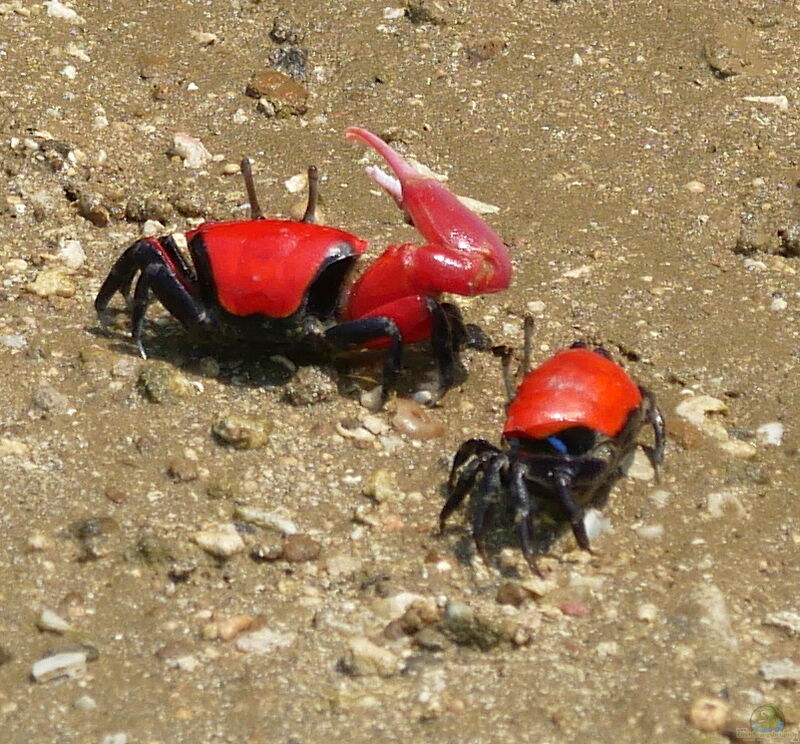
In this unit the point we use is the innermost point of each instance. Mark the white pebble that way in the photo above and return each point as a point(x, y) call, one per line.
point(577, 273)
point(595, 523)
point(69, 72)
point(786, 619)
point(205, 38)
point(14, 341)
point(783, 670)
point(650, 531)
point(296, 183)
point(85, 703)
point(365, 658)
point(191, 150)
point(49, 620)
point(695, 187)
point(778, 304)
point(57, 9)
point(536, 306)
point(70, 664)
point(660, 497)
point(771, 433)
point(646, 612)
point(152, 228)
point(721, 502)
point(697, 410)
point(264, 641)
point(391, 608)
point(70, 253)
point(781, 102)
point(119, 738)
point(275, 520)
point(223, 541)
point(739, 449)
point(639, 466)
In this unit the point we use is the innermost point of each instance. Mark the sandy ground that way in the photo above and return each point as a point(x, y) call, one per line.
point(644, 160)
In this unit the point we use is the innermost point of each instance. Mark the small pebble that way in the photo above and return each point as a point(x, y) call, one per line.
point(536, 586)
point(650, 531)
point(364, 658)
point(53, 282)
point(785, 671)
point(739, 449)
point(57, 9)
point(277, 93)
point(771, 433)
point(778, 304)
point(161, 383)
point(70, 253)
point(222, 542)
point(48, 400)
point(85, 703)
point(118, 738)
point(191, 150)
point(382, 486)
point(722, 503)
point(38, 542)
point(395, 606)
point(13, 448)
point(264, 641)
point(695, 187)
point(511, 593)
point(781, 102)
point(787, 619)
point(646, 612)
point(595, 523)
point(708, 713)
point(300, 548)
point(230, 627)
point(639, 467)
point(275, 520)
point(205, 38)
point(413, 420)
point(50, 621)
point(240, 432)
point(70, 664)
point(703, 411)
point(14, 341)
point(575, 609)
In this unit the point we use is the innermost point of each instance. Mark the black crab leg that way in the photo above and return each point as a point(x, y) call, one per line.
point(447, 331)
point(574, 512)
point(363, 330)
point(470, 460)
point(484, 513)
point(161, 270)
point(655, 418)
point(477, 448)
point(524, 513)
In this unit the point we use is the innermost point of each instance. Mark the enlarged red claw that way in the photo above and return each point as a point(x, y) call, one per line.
point(464, 256)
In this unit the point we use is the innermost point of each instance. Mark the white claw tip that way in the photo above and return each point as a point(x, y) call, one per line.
point(388, 183)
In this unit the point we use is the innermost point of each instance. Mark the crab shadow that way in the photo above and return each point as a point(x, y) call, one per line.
point(246, 363)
